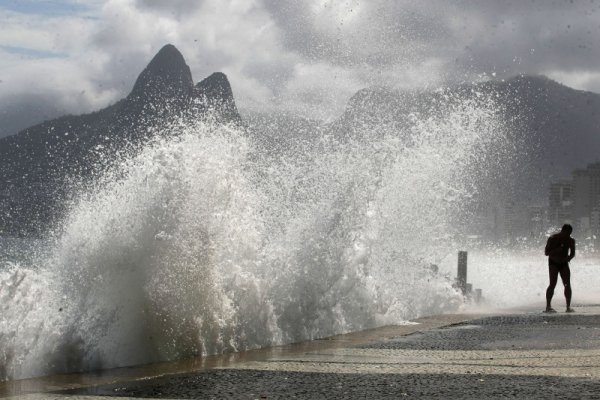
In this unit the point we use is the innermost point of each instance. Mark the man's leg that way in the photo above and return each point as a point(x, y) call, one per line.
point(553, 273)
point(565, 276)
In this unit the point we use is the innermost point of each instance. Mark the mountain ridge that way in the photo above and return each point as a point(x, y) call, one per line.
point(37, 163)
point(550, 129)
point(556, 128)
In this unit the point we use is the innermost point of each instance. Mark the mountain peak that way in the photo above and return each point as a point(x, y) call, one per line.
point(216, 86)
point(167, 76)
point(215, 91)
point(168, 58)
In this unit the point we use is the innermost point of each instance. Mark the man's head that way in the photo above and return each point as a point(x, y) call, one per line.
point(567, 229)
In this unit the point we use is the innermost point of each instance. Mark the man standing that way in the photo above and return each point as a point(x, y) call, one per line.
point(560, 249)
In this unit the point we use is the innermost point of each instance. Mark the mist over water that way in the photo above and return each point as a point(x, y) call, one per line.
point(205, 242)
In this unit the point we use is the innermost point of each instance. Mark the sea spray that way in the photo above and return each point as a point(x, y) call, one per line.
point(201, 243)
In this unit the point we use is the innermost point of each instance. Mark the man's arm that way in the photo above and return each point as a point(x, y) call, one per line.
point(572, 249)
point(548, 247)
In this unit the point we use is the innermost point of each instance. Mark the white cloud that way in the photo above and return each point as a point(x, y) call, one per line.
point(582, 80)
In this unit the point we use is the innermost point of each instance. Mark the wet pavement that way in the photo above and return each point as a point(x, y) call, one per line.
point(524, 354)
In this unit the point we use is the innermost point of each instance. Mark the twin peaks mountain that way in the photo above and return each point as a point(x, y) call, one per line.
point(167, 80)
point(37, 163)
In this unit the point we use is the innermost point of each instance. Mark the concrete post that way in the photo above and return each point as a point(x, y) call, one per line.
point(461, 277)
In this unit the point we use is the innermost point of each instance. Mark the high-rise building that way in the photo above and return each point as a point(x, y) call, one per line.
point(560, 207)
point(586, 194)
point(512, 220)
point(595, 222)
point(581, 194)
point(536, 220)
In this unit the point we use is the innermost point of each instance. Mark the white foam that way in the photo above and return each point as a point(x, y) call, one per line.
point(201, 244)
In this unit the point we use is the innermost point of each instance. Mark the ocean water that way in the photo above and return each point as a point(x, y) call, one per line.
point(515, 279)
point(202, 244)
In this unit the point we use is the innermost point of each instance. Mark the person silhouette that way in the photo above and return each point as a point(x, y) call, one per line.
point(560, 249)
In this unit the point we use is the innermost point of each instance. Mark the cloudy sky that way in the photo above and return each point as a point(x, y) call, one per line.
point(303, 56)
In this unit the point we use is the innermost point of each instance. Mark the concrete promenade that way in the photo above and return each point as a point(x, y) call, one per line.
point(524, 354)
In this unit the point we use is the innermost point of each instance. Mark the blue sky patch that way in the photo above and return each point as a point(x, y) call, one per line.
point(45, 7)
point(32, 53)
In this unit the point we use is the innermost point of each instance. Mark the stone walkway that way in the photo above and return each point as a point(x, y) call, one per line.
point(520, 355)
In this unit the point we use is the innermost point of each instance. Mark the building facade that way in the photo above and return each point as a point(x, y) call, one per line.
point(586, 197)
point(560, 203)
